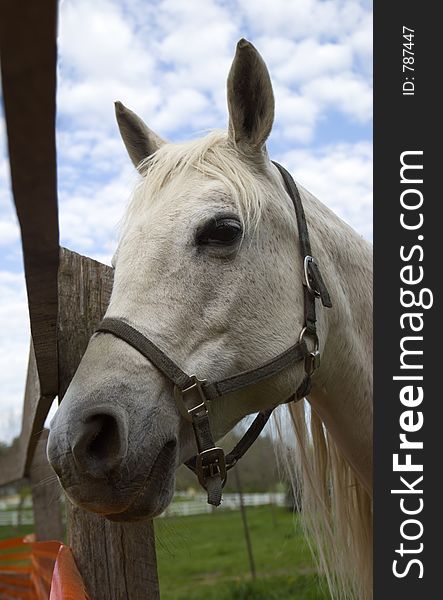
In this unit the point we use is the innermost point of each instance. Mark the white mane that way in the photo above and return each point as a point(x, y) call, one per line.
point(215, 157)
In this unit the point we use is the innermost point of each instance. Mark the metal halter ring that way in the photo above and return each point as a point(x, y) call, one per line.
point(309, 259)
point(304, 332)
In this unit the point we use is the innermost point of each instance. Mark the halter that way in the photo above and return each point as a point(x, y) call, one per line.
point(194, 396)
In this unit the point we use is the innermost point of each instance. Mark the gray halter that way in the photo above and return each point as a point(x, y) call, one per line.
point(194, 396)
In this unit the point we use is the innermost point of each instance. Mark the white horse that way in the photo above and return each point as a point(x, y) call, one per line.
point(208, 267)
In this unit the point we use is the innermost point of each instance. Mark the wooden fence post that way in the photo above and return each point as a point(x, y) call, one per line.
point(116, 560)
point(245, 523)
point(46, 492)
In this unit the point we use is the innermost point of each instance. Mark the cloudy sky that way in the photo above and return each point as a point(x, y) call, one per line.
point(168, 60)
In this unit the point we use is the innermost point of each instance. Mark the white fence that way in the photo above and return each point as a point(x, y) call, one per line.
point(13, 517)
point(185, 505)
point(197, 505)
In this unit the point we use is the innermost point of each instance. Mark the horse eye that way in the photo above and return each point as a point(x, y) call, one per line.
point(220, 232)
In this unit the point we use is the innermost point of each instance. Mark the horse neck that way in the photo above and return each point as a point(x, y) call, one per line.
point(342, 388)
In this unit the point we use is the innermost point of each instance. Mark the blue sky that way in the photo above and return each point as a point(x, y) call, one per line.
point(168, 60)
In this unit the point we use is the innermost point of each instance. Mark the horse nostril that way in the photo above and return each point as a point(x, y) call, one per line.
point(106, 442)
point(100, 444)
point(171, 444)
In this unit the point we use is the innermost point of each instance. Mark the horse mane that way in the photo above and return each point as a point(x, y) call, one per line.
point(335, 509)
point(216, 157)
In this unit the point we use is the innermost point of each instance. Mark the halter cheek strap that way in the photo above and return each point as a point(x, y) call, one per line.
point(194, 396)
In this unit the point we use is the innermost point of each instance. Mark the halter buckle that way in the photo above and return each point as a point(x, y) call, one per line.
point(312, 360)
point(194, 391)
point(306, 262)
point(210, 463)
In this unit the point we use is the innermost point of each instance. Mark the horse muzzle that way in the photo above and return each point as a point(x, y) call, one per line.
point(102, 470)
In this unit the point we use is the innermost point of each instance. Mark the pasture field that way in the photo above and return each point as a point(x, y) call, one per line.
point(204, 557)
point(8, 531)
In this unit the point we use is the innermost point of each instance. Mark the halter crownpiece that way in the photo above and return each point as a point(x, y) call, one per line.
point(194, 396)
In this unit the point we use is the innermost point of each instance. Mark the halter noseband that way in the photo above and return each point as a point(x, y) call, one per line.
point(193, 395)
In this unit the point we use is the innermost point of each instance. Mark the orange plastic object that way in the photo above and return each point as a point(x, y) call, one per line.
point(15, 579)
point(66, 581)
point(46, 571)
point(43, 559)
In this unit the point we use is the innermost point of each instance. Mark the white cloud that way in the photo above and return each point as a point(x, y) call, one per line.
point(101, 60)
point(183, 108)
point(295, 115)
point(97, 42)
point(350, 93)
point(9, 232)
point(89, 217)
point(168, 60)
point(340, 175)
point(176, 61)
point(292, 61)
point(303, 18)
point(14, 348)
point(361, 42)
point(5, 197)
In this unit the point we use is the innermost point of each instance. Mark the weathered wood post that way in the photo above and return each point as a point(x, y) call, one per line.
point(116, 560)
point(46, 493)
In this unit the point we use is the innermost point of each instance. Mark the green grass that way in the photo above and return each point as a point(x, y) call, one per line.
point(9, 531)
point(204, 558)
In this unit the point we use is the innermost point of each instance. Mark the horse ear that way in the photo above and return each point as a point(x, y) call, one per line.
point(250, 97)
point(139, 140)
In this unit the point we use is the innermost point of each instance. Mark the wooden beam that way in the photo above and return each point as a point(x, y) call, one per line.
point(116, 560)
point(28, 63)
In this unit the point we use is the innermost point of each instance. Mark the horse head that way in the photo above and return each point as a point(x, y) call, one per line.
point(208, 267)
